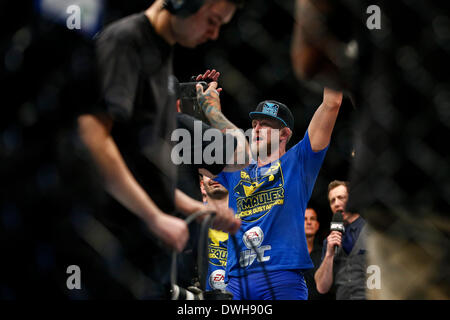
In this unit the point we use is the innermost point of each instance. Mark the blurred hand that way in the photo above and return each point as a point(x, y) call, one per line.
point(171, 230)
point(225, 219)
point(317, 55)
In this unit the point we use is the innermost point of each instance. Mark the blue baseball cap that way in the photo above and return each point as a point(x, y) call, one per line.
point(275, 110)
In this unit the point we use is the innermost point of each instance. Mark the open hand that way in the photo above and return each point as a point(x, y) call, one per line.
point(209, 76)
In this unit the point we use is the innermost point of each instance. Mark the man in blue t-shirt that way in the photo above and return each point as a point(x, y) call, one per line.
point(216, 194)
point(269, 252)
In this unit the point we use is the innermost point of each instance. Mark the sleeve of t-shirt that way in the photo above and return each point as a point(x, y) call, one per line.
point(118, 63)
point(224, 179)
point(311, 163)
point(213, 149)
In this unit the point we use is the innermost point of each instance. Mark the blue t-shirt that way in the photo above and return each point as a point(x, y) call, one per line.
point(271, 202)
point(217, 256)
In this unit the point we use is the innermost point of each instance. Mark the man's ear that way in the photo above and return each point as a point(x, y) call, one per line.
point(285, 134)
point(178, 105)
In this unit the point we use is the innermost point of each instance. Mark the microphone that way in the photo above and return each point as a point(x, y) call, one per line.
point(337, 224)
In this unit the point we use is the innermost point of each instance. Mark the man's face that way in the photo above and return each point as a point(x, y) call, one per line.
point(338, 198)
point(214, 189)
point(265, 136)
point(311, 223)
point(204, 25)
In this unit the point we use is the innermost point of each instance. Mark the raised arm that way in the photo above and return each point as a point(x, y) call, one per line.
point(210, 103)
point(94, 131)
point(322, 123)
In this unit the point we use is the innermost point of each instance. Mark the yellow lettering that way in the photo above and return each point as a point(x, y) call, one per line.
point(244, 175)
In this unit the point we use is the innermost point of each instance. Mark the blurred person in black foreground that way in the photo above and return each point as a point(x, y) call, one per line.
point(389, 57)
point(51, 194)
point(47, 76)
point(131, 140)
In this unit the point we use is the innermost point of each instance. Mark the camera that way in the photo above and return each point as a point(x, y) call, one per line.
point(194, 293)
point(187, 93)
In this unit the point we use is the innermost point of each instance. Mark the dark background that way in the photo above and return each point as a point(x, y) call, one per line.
point(252, 54)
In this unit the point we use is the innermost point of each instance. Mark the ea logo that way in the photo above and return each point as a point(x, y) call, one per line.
point(253, 237)
point(217, 279)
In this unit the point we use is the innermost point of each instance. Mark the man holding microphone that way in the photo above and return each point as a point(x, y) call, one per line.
point(344, 253)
